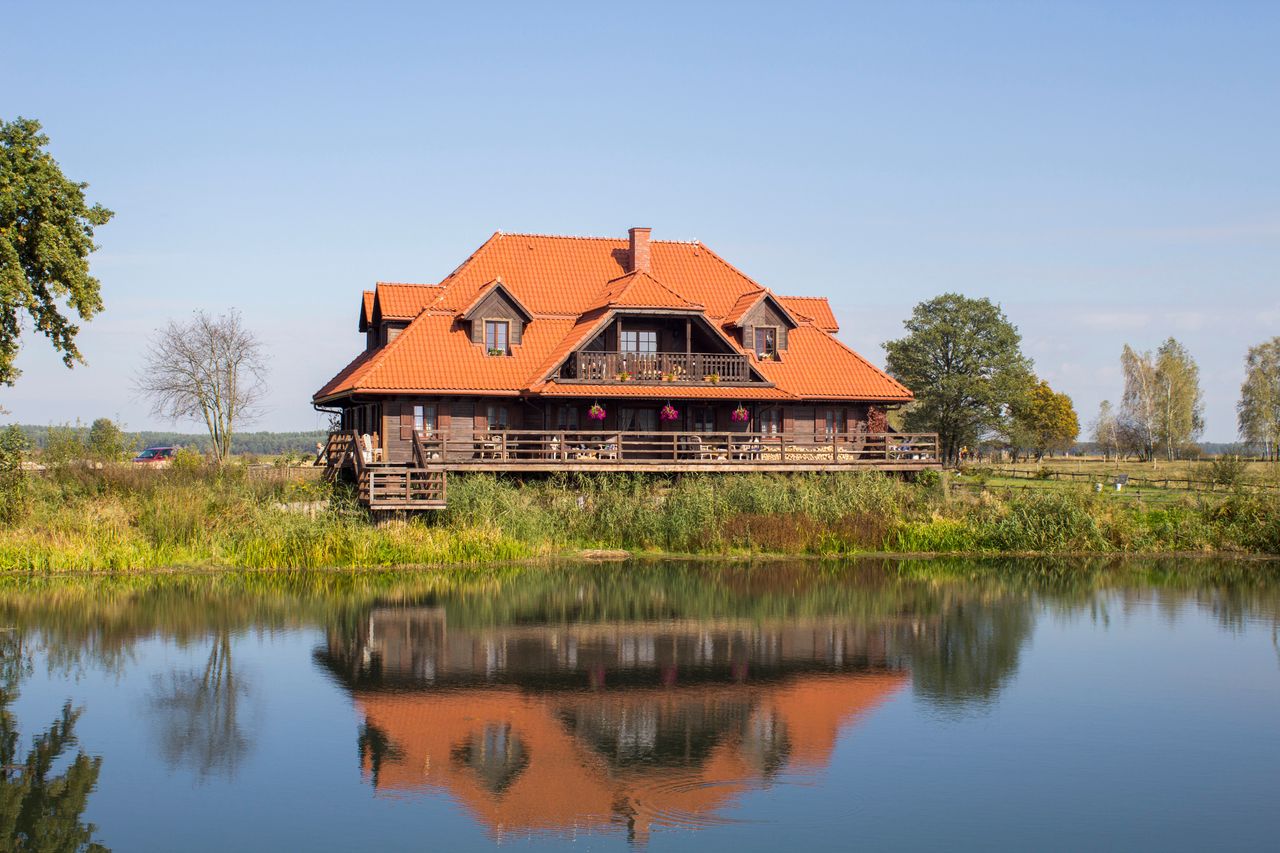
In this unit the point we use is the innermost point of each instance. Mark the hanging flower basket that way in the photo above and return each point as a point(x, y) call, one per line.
point(668, 413)
point(740, 415)
point(596, 412)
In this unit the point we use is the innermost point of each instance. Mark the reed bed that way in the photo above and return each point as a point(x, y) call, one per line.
point(120, 519)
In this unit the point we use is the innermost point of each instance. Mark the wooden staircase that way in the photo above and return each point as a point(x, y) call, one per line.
point(381, 486)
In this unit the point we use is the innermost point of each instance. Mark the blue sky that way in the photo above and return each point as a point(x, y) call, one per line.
point(1107, 172)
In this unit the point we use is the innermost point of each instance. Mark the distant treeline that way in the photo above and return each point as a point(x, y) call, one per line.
point(248, 442)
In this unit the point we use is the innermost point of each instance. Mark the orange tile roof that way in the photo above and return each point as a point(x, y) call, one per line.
point(571, 285)
point(663, 391)
point(368, 307)
point(404, 301)
point(814, 308)
point(641, 290)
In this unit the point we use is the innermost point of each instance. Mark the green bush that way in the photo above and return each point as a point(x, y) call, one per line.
point(13, 482)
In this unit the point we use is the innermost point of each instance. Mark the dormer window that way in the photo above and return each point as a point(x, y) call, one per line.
point(639, 341)
point(766, 343)
point(497, 335)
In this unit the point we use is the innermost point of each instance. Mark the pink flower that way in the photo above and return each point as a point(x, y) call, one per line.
point(596, 412)
point(740, 414)
point(668, 413)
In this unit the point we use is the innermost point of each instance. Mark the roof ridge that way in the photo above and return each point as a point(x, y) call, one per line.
point(588, 237)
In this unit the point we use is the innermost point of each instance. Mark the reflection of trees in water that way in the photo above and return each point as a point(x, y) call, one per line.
point(40, 812)
point(377, 748)
point(971, 652)
point(199, 714)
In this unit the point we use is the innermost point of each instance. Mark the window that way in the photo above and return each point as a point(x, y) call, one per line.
point(566, 417)
point(496, 417)
point(496, 337)
point(638, 420)
point(771, 421)
point(639, 341)
point(424, 420)
point(833, 422)
point(703, 419)
point(766, 342)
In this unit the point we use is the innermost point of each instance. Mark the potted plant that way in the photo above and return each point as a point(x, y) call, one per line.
point(713, 378)
point(495, 351)
point(668, 413)
point(740, 414)
point(596, 412)
point(623, 376)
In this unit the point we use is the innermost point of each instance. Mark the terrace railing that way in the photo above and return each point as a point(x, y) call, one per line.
point(656, 367)
point(517, 449)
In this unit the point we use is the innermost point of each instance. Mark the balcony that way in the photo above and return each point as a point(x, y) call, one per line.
point(658, 367)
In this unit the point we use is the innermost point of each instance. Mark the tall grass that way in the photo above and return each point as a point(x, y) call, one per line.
point(121, 519)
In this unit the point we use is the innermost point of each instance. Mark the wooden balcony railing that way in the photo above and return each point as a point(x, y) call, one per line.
point(656, 367)
point(533, 449)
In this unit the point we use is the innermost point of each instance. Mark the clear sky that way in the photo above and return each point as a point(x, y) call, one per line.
point(1107, 172)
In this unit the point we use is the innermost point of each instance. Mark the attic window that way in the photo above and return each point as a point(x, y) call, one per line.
point(497, 337)
point(766, 343)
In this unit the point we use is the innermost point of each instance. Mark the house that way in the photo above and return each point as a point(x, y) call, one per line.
point(544, 353)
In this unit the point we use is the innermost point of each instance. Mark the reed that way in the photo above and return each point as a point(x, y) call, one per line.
point(121, 519)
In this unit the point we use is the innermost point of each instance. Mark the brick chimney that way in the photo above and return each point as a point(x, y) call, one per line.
point(639, 249)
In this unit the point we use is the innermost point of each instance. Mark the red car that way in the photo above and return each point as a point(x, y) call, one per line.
point(155, 457)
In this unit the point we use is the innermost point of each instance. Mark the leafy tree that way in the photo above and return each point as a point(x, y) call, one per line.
point(963, 360)
point(46, 236)
point(107, 441)
point(1106, 430)
point(1138, 406)
point(1045, 420)
point(13, 484)
point(1258, 412)
point(1163, 408)
point(210, 369)
point(63, 444)
point(1180, 403)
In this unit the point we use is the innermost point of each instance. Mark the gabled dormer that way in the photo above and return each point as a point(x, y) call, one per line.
point(763, 324)
point(496, 319)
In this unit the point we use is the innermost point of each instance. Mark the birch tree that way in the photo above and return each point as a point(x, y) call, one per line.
point(1258, 412)
point(1179, 401)
point(1138, 405)
point(208, 369)
point(1106, 430)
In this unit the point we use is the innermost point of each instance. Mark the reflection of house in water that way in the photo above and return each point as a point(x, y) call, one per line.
point(581, 726)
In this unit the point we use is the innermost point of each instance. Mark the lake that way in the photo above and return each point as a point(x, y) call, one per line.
point(875, 704)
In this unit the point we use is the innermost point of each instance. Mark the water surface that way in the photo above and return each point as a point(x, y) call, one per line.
point(876, 704)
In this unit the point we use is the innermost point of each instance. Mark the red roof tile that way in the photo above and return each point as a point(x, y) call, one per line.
point(641, 290)
point(815, 308)
point(403, 301)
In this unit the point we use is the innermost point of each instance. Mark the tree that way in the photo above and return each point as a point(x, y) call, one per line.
point(107, 441)
point(1258, 412)
point(1180, 403)
point(46, 236)
point(1106, 430)
point(1045, 420)
point(1138, 406)
point(962, 358)
point(1163, 407)
point(209, 369)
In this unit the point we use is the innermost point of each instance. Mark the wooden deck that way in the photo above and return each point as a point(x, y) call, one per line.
point(420, 483)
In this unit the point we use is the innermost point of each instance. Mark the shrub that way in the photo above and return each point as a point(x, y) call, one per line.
point(1227, 470)
point(186, 461)
point(63, 445)
point(13, 483)
point(107, 442)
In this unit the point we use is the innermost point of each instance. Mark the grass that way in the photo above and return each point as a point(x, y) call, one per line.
point(121, 519)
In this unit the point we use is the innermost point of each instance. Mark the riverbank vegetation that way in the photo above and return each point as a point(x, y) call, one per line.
point(118, 518)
